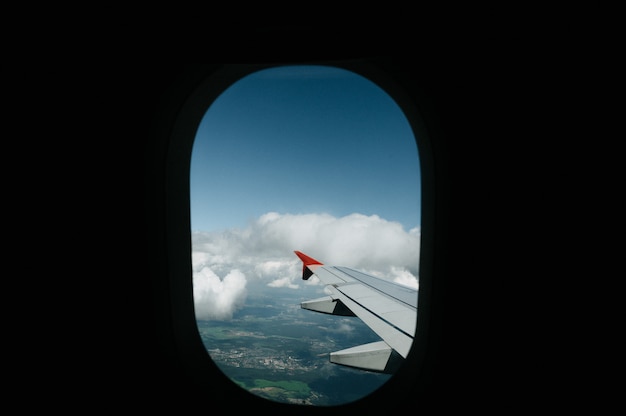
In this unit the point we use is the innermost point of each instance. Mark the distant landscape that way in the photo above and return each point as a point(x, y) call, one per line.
point(276, 350)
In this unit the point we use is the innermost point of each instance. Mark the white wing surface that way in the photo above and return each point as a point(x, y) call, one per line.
point(389, 309)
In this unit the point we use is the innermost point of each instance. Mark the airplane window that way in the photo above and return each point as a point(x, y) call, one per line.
point(301, 174)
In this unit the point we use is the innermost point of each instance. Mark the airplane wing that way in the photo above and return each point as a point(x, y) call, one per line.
point(389, 309)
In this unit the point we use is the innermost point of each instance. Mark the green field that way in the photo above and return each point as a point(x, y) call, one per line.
point(293, 386)
point(282, 391)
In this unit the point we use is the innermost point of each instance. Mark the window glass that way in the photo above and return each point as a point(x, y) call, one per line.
point(317, 159)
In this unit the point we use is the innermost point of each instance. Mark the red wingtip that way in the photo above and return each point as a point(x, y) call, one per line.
point(306, 259)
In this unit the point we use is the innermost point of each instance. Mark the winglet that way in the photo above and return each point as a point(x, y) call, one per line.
point(306, 261)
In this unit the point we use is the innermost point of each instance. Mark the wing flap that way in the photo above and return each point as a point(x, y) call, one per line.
point(327, 305)
point(391, 334)
point(375, 356)
point(386, 308)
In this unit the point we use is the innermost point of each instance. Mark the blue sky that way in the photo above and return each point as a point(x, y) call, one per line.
point(301, 140)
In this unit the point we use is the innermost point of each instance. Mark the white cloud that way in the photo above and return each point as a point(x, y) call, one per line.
point(404, 277)
point(283, 282)
point(344, 326)
point(215, 298)
point(264, 252)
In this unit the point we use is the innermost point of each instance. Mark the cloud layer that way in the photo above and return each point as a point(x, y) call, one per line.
point(263, 252)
